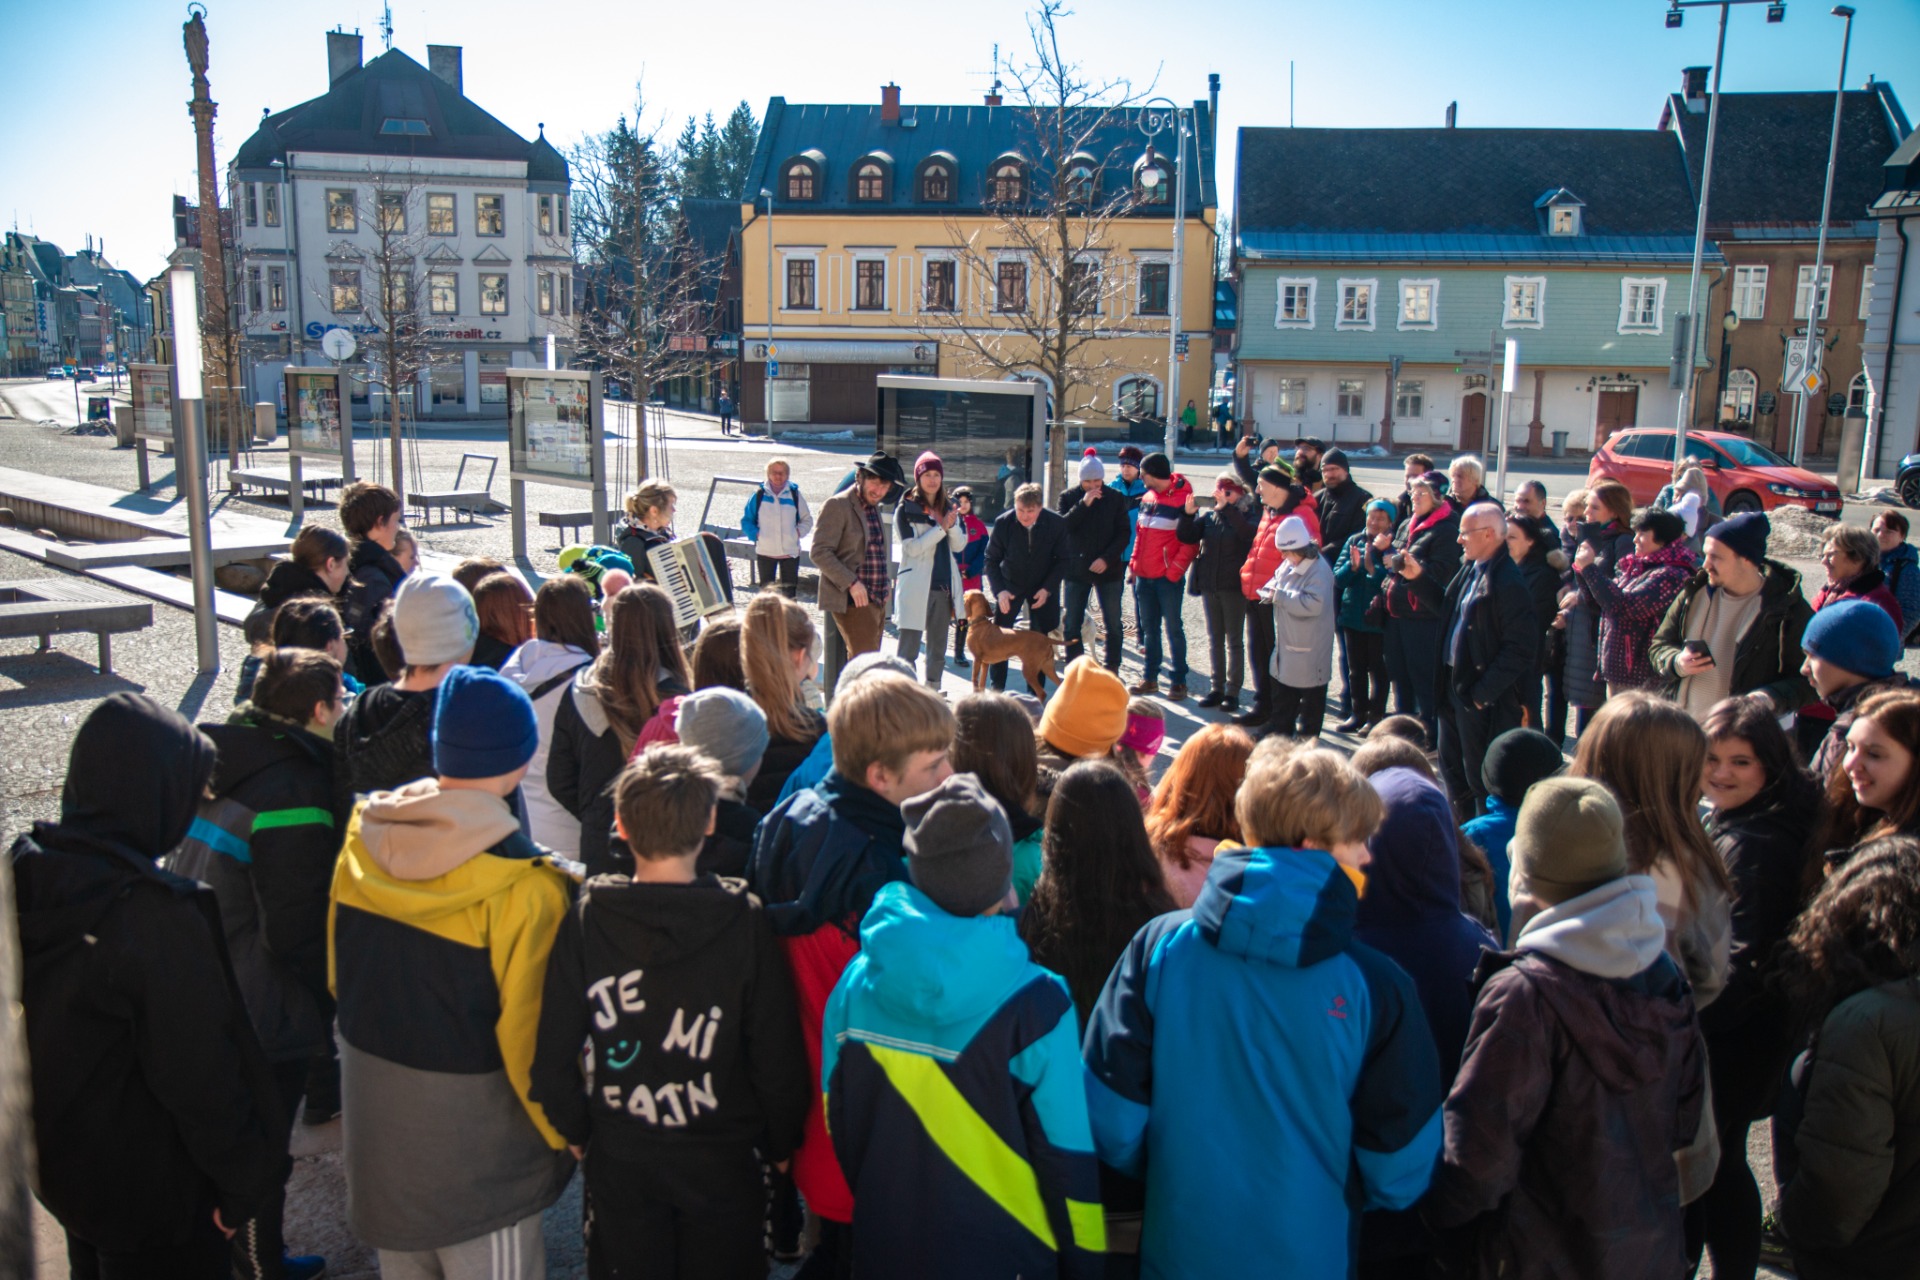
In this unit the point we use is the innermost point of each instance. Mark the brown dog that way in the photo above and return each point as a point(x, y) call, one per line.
point(989, 642)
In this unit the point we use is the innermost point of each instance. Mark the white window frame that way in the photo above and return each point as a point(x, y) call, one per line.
point(253, 203)
point(1866, 290)
point(498, 215)
point(1803, 290)
point(336, 282)
point(270, 204)
point(1743, 390)
point(1400, 395)
point(443, 202)
point(787, 257)
point(1280, 286)
point(1339, 390)
point(276, 286)
point(342, 215)
point(1571, 212)
point(543, 293)
point(1281, 387)
point(886, 303)
point(1750, 292)
point(1432, 286)
point(1356, 283)
point(1630, 321)
point(1539, 318)
point(506, 293)
point(544, 213)
point(434, 281)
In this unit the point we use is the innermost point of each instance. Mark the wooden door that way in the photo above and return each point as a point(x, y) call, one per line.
point(1473, 423)
point(1619, 408)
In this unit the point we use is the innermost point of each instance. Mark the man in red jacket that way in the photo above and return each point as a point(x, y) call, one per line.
point(1159, 568)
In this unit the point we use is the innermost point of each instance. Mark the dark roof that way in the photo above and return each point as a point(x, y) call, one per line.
point(972, 137)
point(1902, 178)
point(711, 224)
point(1460, 193)
point(1770, 153)
point(348, 118)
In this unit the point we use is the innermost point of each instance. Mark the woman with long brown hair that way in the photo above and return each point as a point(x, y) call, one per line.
point(777, 641)
point(993, 741)
point(563, 642)
point(1607, 530)
point(1875, 788)
point(1651, 754)
point(1191, 811)
point(505, 608)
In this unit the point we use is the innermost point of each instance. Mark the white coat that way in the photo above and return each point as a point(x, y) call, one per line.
point(913, 584)
point(1304, 617)
point(533, 664)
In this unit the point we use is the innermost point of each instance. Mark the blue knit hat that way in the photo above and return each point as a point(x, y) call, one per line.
point(1856, 636)
point(483, 725)
point(1745, 535)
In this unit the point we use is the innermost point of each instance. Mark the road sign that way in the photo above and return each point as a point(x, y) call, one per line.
point(338, 344)
point(1811, 383)
point(1180, 344)
point(773, 368)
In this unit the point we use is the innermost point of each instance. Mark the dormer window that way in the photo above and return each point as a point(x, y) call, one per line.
point(1566, 221)
point(1081, 182)
point(1559, 212)
point(936, 179)
point(1008, 182)
point(873, 178)
point(1152, 182)
point(800, 176)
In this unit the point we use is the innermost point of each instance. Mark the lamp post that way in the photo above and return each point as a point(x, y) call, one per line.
point(767, 366)
point(1690, 328)
point(190, 459)
point(1803, 394)
point(1159, 114)
point(1728, 323)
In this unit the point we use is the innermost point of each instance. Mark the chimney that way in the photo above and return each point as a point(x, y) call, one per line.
point(343, 55)
point(1453, 113)
point(444, 61)
point(889, 104)
point(993, 98)
point(1213, 97)
point(1693, 86)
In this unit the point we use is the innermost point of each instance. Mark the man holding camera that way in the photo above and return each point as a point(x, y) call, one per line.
point(1421, 560)
point(1489, 641)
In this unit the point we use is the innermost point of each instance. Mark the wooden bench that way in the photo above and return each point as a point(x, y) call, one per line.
point(46, 607)
point(572, 521)
point(280, 479)
point(459, 498)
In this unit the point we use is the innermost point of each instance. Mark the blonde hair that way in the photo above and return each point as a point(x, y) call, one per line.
point(1693, 480)
point(774, 627)
point(651, 496)
point(884, 719)
point(1578, 498)
point(1649, 752)
point(777, 462)
point(1305, 798)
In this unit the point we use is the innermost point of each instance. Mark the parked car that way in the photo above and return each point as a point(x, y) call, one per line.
point(1745, 476)
point(1907, 480)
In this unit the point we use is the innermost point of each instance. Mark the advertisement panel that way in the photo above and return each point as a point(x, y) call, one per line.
point(152, 387)
point(553, 427)
point(319, 416)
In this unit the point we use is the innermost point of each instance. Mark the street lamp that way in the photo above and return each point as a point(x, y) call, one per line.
point(1689, 323)
point(1728, 323)
point(1804, 394)
point(1158, 114)
point(767, 366)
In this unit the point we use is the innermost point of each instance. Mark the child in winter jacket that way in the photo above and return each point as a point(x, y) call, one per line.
point(776, 519)
point(370, 513)
point(443, 915)
point(1584, 1073)
point(952, 1069)
point(675, 983)
point(973, 564)
point(1515, 761)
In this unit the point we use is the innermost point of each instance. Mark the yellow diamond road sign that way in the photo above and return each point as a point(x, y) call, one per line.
point(1811, 382)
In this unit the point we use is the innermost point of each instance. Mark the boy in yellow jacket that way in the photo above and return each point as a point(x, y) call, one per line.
point(442, 918)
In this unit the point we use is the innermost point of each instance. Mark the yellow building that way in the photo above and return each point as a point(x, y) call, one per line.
point(921, 240)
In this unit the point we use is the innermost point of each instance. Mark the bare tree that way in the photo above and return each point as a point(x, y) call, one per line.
point(1032, 295)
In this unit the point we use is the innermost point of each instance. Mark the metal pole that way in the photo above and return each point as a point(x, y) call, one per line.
point(766, 366)
point(190, 461)
point(1179, 244)
point(1801, 394)
point(1509, 372)
point(1685, 409)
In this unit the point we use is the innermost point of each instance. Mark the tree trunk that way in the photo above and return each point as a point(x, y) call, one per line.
point(393, 439)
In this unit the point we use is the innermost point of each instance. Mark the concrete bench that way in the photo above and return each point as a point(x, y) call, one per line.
point(462, 497)
point(572, 521)
point(168, 589)
point(164, 553)
point(46, 607)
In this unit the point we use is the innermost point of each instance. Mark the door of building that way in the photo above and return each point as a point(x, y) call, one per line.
point(1619, 409)
point(1473, 423)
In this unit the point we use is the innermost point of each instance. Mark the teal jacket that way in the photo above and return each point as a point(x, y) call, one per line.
point(957, 1102)
point(1357, 588)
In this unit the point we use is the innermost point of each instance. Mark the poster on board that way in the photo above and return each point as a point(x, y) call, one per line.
point(152, 388)
point(313, 413)
point(551, 432)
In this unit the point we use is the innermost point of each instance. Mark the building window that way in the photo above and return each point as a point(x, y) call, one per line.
point(276, 286)
point(1152, 183)
point(1080, 183)
point(869, 285)
point(489, 215)
point(1009, 183)
point(1410, 400)
point(545, 207)
point(396, 293)
point(1083, 287)
point(1565, 221)
point(936, 184)
point(1351, 400)
point(870, 181)
point(253, 203)
point(1857, 394)
point(1641, 304)
point(1803, 291)
point(799, 181)
point(1137, 398)
point(561, 201)
point(390, 208)
point(254, 299)
point(270, 202)
point(413, 127)
point(543, 300)
point(1294, 309)
point(566, 292)
point(1750, 292)
point(1866, 290)
point(1419, 301)
point(341, 215)
point(1154, 281)
point(1736, 405)
point(440, 216)
point(800, 293)
point(1356, 304)
point(940, 280)
point(344, 286)
point(1526, 302)
point(443, 293)
point(1290, 397)
point(1010, 286)
point(493, 295)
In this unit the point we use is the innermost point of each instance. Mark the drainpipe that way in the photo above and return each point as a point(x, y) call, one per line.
point(1870, 463)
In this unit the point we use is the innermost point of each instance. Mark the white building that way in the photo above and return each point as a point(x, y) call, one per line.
point(1891, 352)
point(482, 212)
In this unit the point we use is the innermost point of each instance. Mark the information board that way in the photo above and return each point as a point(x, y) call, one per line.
point(554, 427)
point(152, 388)
point(989, 435)
point(317, 406)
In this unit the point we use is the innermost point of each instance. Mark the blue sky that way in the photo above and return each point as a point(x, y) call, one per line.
point(99, 139)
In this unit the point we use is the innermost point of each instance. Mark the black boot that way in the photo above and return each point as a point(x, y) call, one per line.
point(1256, 715)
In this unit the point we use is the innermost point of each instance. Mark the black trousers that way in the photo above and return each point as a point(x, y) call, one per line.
point(697, 1212)
point(1464, 734)
point(1367, 674)
point(1260, 653)
point(201, 1256)
point(1041, 617)
point(259, 1242)
point(1413, 663)
point(1297, 713)
point(786, 568)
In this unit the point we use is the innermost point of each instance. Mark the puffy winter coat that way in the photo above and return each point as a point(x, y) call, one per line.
point(544, 669)
point(373, 575)
point(1158, 552)
point(1433, 540)
point(384, 741)
point(1343, 513)
point(1767, 659)
point(1870, 586)
point(1025, 560)
point(1359, 585)
point(1263, 557)
point(920, 540)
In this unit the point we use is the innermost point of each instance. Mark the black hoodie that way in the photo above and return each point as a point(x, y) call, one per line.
point(150, 1095)
point(682, 996)
point(373, 576)
point(383, 742)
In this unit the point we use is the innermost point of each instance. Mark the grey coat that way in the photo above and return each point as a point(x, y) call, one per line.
point(1304, 616)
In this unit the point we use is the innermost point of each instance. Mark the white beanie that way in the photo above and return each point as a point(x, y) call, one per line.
point(1292, 534)
point(1091, 468)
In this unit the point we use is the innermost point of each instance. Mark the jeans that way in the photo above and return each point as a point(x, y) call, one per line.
point(787, 568)
point(1226, 639)
point(1345, 670)
point(1367, 665)
point(1413, 659)
point(1158, 600)
point(1076, 596)
point(1041, 617)
point(939, 615)
point(1260, 642)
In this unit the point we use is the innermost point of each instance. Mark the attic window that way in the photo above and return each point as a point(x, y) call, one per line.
point(801, 178)
point(1564, 220)
point(936, 182)
point(402, 124)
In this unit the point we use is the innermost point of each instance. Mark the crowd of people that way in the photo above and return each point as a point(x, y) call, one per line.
point(794, 963)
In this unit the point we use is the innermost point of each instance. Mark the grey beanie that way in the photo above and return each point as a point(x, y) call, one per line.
point(959, 846)
point(868, 664)
point(434, 620)
point(725, 724)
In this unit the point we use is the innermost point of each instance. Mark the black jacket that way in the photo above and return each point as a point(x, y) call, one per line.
point(1027, 561)
point(1096, 531)
point(1767, 659)
point(151, 1102)
point(777, 763)
point(635, 541)
point(383, 742)
point(729, 850)
point(682, 994)
point(1225, 534)
point(1343, 513)
point(287, 579)
point(1502, 640)
point(1437, 548)
point(373, 575)
point(583, 760)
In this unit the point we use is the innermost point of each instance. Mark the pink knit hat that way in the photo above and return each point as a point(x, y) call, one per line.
point(928, 461)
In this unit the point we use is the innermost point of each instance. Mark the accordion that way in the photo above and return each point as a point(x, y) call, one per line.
point(685, 571)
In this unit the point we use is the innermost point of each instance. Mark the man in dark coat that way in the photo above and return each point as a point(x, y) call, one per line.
point(1097, 534)
point(1489, 641)
point(1343, 513)
point(1027, 556)
point(151, 1102)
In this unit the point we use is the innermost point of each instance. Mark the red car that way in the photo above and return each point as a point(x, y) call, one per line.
point(1745, 476)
